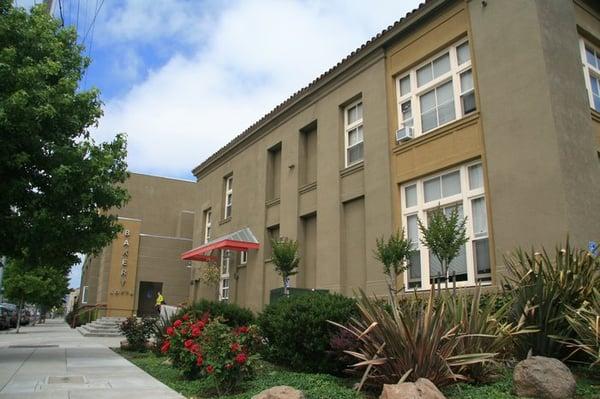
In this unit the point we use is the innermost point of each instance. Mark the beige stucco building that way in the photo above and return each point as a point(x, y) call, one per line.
point(492, 108)
point(145, 257)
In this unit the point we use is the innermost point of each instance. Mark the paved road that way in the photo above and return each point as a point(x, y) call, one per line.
point(53, 361)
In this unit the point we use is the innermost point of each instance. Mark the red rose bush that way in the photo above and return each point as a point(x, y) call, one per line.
point(209, 348)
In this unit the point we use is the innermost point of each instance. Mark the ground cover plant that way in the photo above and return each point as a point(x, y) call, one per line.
point(267, 375)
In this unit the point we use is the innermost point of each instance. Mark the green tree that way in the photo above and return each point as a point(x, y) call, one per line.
point(42, 286)
point(394, 254)
point(57, 184)
point(444, 235)
point(286, 259)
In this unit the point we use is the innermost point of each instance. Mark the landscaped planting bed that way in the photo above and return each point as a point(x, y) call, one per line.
point(323, 386)
point(267, 375)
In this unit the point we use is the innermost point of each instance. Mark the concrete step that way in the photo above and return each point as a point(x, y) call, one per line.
point(87, 331)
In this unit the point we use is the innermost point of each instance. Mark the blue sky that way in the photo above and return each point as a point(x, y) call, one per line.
point(183, 77)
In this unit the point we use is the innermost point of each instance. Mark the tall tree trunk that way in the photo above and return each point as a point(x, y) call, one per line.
point(19, 311)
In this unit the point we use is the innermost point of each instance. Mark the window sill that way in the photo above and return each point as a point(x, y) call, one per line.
point(227, 220)
point(437, 132)
point(459, 286)
point(307, 187)
point(357, 167)
point(273, 202)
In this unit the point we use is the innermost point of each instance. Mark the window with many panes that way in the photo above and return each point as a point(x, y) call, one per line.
point(353, 133)
point(228, 196)
point(224, 279)
point(590, 56)
point(207, 225)
point(461, 189)
point(436, 92)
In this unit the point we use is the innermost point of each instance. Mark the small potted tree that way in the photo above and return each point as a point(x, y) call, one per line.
point(286, 259)
point(444, 235)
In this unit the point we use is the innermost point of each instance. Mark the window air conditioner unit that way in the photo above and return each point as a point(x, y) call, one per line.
point(404, 134)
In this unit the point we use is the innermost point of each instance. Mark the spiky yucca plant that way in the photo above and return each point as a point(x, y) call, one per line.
point(417, 343)
point(483, 328)
point(585, 322)
point(543, 287)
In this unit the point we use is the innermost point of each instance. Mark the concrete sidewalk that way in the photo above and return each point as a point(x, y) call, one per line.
point(54, 361)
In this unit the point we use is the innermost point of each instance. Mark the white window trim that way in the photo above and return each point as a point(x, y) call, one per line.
point(228, 197)
point(465, 198)
point(243, 257)
point(207, 225)
point(225, 261)
point(84, 292)
point(416, 92)
point(589, 70)
point(352, 126)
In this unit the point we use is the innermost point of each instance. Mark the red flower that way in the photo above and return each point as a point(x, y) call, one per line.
point(228, 366)
point(186, 317)
point(170, 331)
point(165, 346)
point(188, 343)
point(195, 349)
point(196, 332)
point(210, 369)
point(243, 330)
point(241, 358)
point(177, 323)
point(184, 331)
point(235, 347)
point(199, 360)
point(200, 324)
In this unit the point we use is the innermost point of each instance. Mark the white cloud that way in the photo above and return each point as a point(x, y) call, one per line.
point(240, 61)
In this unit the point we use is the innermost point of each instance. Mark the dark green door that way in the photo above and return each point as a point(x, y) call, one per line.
point(147, 299)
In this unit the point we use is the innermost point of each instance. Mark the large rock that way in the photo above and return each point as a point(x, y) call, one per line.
point(544, 378)
point(421, 389)
point(280, 392)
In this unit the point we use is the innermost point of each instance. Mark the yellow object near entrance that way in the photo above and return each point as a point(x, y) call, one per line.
point(160, 299)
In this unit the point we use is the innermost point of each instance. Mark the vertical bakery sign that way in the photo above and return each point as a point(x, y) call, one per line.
point(125, 257)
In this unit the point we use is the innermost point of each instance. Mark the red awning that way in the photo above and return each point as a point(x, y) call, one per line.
point(241, 240)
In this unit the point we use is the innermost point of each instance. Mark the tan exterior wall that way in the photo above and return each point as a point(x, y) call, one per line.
point(542, 165)
point(160, 220)
point(334, 186)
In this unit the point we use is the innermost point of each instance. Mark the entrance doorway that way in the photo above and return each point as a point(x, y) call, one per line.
point(147, 300)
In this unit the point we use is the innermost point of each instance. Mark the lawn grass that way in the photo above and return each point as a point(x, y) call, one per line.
point(324, 386)
point(314, 386)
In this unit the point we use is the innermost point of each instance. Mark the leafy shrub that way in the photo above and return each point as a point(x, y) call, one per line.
point(417, 341)
point(543, 288)
point(137, 332)
point(231, 314)
point(297, 331)
point(159, 331)
point(210, 348)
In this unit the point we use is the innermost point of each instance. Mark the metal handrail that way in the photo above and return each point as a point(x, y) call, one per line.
point(89, 309)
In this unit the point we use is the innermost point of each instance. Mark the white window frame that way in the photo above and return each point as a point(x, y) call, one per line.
point(415, 93)
point(589, 70)
point(207, 225)
point(349, 127)
point(224, 281)
point(84, 293)
point(465, 197)
point(243, 257)
point(228, 197)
